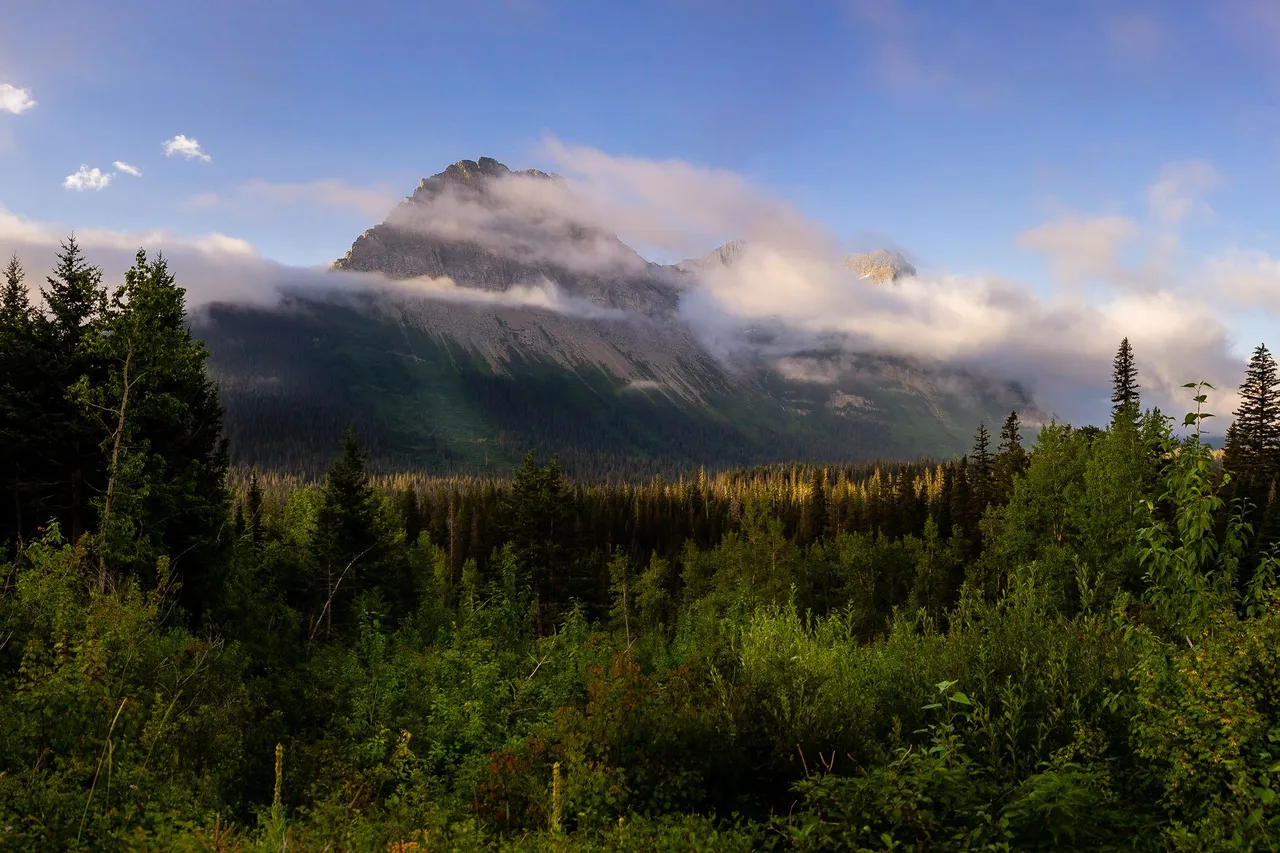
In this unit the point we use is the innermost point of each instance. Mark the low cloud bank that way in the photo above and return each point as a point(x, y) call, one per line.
point(1176, 311)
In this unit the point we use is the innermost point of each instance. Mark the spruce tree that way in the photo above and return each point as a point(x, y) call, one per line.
point(981, 470)
point(18, 425)
point(1254, 440)
point(1124, 382)
point(348, 542)
point(160, 485)
point(1011, 460)
point(68, 462)
point(818, 505)
point(539, 524)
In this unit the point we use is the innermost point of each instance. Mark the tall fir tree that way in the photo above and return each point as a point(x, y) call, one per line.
point(817, 509)
point(981, 471)
point(1124, 383)
point(1254, 439)
point(349, 541)
point(69, 464)
point(159, 426)
point(1011, 458)
point(539, 524)
point(18, 426)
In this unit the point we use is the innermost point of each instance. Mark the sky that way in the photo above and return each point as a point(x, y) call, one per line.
point(1101, 168)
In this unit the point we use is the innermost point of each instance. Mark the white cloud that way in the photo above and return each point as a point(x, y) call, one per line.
point(87, 179)
point(1178, 189)
point(257, 195)
point(1060, 346)
point(219, 268)
point(793, 274)
point(125, 168)
point(185, 147)
point(1081, 248)
point(15, 100)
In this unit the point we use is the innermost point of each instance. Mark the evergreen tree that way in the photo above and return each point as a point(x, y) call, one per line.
point(1124, 383)
point(981, 470)
point(17, 414)
point(348, 541)
point(69, 465)
point(160, 487)
point(253, 509)
point(1011, 460)
point(1254, 439)
point(817, 514)
point(539, 525)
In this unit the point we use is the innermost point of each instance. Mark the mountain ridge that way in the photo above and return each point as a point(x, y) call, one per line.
point(513, 366)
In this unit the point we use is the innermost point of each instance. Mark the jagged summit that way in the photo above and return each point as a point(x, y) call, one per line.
point(466, 225)
point(881, 266)
point(724, 256)
point(474, 174)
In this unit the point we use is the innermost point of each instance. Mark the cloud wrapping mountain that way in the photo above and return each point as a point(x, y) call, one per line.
point(788, 270)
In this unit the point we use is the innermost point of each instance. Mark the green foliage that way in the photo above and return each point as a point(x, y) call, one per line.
point(1069, 647)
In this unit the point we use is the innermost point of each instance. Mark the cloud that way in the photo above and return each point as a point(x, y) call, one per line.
point(217, 268)
point(258, 195)
point(15, 100)
point(790, 284)
point(87, 179)
point(188, 148)
point(1245, 279)
point(1178, 190)
point(792, 276)
point(125, 168)
point(1081, 248)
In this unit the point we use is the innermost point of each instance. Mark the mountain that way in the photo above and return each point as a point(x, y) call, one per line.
point(504, 322)
point(881, 266)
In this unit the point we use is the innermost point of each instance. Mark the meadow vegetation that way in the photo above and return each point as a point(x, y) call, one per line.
point(1068, 645)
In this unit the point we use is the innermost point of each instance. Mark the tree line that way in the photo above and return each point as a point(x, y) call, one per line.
point(1067, 643)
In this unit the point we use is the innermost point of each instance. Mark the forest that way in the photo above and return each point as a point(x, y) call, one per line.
point(1066, 640)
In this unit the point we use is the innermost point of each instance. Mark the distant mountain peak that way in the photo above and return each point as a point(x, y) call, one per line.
point(881, 266)
point(462, 224)
point(723, 256)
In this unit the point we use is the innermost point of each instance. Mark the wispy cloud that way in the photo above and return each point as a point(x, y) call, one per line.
point(1179, 190)
point(15, 100)
point(370, 202)
point(1081, 248)
point(87, 179)
point(188, 148)
point(126, 169)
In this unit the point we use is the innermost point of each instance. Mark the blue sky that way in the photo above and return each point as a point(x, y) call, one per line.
point(948, 129)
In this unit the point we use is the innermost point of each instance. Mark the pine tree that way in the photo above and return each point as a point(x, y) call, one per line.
point(981, 469)
point(1124, 382)
point(17, 413)
point(818, 505)
point(158, 422)
point(253, 509)
point(1011, 460)
point(68, 463)
point(539, 524)
point(348, 539)
point(1254, 439)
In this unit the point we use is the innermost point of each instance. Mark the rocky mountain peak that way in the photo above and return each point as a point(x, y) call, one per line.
point(881, 266)
point(461, 224)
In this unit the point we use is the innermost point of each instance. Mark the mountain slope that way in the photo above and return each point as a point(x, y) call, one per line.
point(554, 336)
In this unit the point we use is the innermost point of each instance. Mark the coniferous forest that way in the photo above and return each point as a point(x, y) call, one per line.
point(1068, 639)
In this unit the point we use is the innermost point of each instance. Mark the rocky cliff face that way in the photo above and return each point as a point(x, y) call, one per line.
point(603, 368)
point(880, 266)
point(485, 226)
